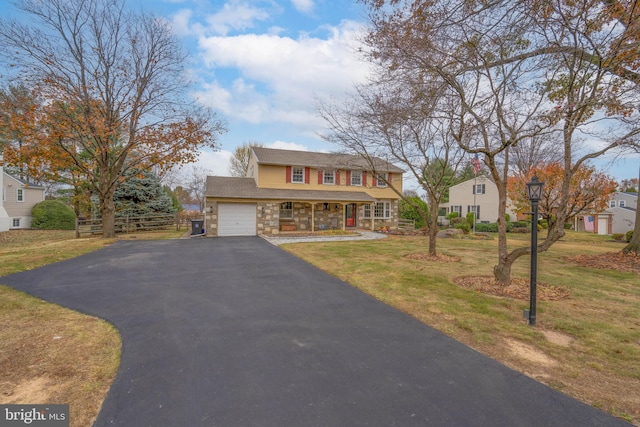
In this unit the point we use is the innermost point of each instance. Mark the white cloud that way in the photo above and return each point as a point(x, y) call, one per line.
point(282, 145)
point(304, 6)
point(235, 15)
point(281, 77)
point(215, 162)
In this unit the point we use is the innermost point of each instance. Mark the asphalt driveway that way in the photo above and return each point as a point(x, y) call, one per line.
point(237, 332)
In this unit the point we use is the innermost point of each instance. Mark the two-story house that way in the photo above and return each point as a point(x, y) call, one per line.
point(622, 207)
point(18, 199)
point(287, 190)
point(479, 195)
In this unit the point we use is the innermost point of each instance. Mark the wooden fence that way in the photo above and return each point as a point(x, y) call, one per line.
point(127, 224)
point(407, 224)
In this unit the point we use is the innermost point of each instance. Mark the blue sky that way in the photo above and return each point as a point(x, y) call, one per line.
point(263, 64)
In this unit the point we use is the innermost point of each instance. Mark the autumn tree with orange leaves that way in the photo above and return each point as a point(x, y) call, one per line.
point(564, 71)
point(114, 91)
point(589, 191)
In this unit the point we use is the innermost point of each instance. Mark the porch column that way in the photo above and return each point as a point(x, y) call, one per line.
point(313, 217)
point(373, 216)
point(344, 217)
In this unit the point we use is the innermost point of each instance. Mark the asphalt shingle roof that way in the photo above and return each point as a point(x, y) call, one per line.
point(245, 188)
point(271, 156)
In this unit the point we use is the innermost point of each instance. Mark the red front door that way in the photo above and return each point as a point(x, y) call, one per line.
point(350, 213)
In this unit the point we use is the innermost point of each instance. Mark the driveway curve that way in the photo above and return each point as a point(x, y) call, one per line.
point(237, 332)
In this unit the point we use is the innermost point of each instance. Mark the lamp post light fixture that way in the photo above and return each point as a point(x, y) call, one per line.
point(534, 193)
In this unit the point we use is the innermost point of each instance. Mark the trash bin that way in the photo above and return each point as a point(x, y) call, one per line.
point(197, 227)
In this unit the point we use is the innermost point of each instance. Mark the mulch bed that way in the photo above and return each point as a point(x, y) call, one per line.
point(427, 257)
point(629, 263)
point(518, 289)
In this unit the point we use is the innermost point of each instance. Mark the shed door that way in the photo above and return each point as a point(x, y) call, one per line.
point(236, 219)
point(603, 225)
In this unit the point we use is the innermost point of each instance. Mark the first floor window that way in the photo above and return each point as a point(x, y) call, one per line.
point(286, 210)
point(16, 222)
point(457, 208)
point(380, 210)
point(475, 209)
point(297, 175)
point(20, 195)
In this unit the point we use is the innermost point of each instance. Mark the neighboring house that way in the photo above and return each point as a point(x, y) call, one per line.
point(289, 190)
point(479, 195)
point(5, 221)
point(18, 199)
point(622, 207)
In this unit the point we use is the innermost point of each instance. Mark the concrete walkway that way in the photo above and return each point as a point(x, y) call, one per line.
point(232, 332)
point(362, 235)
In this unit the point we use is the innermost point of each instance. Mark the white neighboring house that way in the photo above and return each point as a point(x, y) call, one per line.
point(18, 199)
point(479, 195)
point(622, 207)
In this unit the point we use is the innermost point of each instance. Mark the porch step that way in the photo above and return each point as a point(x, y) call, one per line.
point(288, 227)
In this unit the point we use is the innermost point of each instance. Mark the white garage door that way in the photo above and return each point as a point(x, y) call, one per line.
point(236, 219)
point(603, 225)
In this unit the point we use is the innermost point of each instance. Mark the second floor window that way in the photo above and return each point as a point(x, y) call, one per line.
point(621, 203)
point(478, 189)
point(381, 181)
point(612, 204)
point(356, 178)
point(20, 195)
point(329, 177)
point(297, 175)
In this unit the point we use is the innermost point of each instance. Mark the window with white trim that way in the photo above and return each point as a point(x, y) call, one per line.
point(356, 177)
point(475, 209)
point(612, 203)
point(380, 210)
point(16, 222)
point(297, 175)
point(457, 208)
point(622, 203)
point(286, 210)
point(479, 189)
point(381, 180)
point(20, 195)
point(329, 177)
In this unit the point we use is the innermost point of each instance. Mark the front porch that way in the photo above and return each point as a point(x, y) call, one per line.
point(313, 216)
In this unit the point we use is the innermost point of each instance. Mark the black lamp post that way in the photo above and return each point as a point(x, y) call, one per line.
point(534, 193)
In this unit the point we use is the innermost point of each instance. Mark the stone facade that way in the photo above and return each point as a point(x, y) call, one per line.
point(328, 216)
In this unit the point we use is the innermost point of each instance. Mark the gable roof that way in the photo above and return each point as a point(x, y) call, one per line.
point(272, 156)
point(245, 188)
point(24, 183)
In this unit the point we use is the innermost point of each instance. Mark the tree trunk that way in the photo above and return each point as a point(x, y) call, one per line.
point(634, 244)
point(433, 224)
point(108, 214)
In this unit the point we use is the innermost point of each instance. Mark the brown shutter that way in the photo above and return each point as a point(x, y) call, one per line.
point(288, 180)
point(319, 177)
point(374, 180)
point(307, 175)
point(348, 177)
point(389, 178)
point(337, 178)
point(364, 178)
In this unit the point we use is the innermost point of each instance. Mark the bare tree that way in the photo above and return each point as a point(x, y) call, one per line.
point(240, 160)
point(389, 120)
point(115, 84)
point(515, 71)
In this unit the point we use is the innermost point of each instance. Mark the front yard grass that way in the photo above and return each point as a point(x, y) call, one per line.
point(587, 346)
